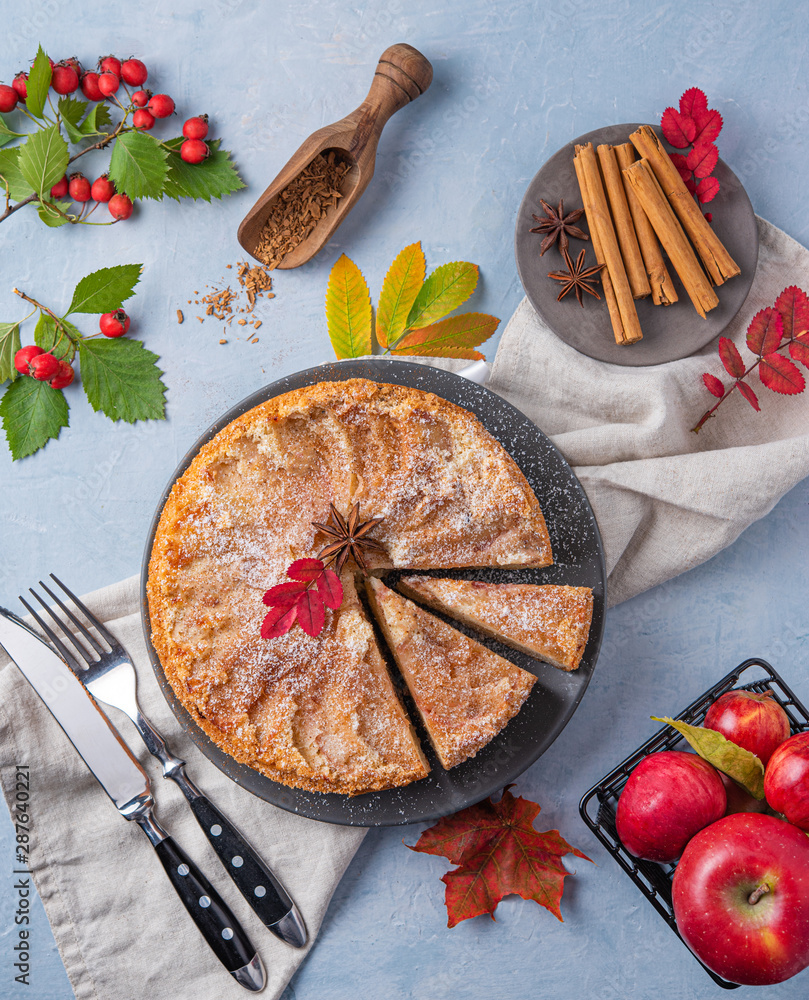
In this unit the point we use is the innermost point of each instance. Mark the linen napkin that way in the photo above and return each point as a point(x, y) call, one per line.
point(665, 499)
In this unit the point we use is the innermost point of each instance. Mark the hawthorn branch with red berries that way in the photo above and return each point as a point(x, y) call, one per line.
point(782, 327)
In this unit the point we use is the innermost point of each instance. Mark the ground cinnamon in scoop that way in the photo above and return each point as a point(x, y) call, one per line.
point(300, 206)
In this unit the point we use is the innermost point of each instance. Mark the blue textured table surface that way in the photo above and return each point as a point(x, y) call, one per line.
point(513, 82)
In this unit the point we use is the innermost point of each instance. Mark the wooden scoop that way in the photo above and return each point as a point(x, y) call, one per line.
point(402, 74)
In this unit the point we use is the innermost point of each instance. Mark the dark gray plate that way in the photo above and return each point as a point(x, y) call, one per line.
point(669, 332)
point(554, 698)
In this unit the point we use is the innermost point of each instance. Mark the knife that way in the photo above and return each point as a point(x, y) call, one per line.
point(121, 776)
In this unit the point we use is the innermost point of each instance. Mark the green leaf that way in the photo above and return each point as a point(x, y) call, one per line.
point(348, 310)
point(399, 290)
point(739, 764)
point(43, 159)
point(49, 216)
point(105, 290)
point(451, 338)
point(445, 289)
point(98, 119)
point(50, 339)
point(39, 82)
point(32, 414)
point(7, 135)
point(9, 345)
point(212, 178)
point(138, 166)
point(121, 379)
point(18, 186)
point(72, 113)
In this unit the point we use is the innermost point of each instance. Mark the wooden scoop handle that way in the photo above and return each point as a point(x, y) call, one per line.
point(402, 74)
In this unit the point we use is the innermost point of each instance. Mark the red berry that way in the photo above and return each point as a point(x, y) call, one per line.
point(79, 187)
point(59, 189)
point(134, 72)
point(8, 97)
point(109, 64)
point(75, 64)
point(141, 98)
point(103, 189)
point(63, 377)
point(161, 106)
point(194, 151)
point(64, 79)
point(23, 358)
point(120, 206)
point(20, 84)
point(114, 324)
point(196, 128)
point(43, 367)
point(89, 87)
point(108, 83)
point(143, 119)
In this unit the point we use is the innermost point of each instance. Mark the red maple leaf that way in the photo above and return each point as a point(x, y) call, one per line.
point(693, 101)
point(779, 374)
point(713, 385)
point(708, 125)
point(708, 189)
point(499, 853)
point(678, 129)
point(731, 358)
point(765, 331)
point(793, 305)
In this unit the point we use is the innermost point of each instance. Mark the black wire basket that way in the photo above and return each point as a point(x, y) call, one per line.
point(598, 806)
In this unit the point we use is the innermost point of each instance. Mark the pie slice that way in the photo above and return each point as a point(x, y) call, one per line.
point(549, 622)
point(464, 693)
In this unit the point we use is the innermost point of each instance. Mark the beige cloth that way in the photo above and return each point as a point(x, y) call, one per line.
point(665, 500)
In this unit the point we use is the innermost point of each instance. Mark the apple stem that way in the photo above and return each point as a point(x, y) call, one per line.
point(756, 895)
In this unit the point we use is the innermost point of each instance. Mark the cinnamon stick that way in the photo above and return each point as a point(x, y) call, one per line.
point(663, 291)
point(718, 262)
point(622, 219)
point(600, 221)
point(642, 179)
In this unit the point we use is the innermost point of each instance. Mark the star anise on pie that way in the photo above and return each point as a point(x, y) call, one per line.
point(350, 537)
point(577, 278)
point(558, 226)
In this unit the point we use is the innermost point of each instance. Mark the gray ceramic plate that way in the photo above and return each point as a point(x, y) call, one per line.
point(554, 698)
point(669, 332)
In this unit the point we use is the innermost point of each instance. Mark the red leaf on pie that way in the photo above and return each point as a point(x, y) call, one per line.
point(799, 349)
point(330, 588)
point(702, 159)
point(779, 374)
point(692, 101)
point(681, 163)
point(765, 331)
point(749, 395)
point(708, 126)
point(713, 385)
point(691, 184)
point(305, 569)
point(678, 129)
point(284, 595)
point(708, 189)
point(311, 613)
point(277, 621)
point(499, 853)
point(793, 305)
point(731, 358)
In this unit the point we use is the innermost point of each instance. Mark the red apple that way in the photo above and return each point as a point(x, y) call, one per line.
point(786, 780)
point(669, 797)
point(755, 722)
point(741, 898)
point(739, 799)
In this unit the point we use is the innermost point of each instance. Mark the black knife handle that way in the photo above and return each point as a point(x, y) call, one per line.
point(252, 877)
point(208, 910)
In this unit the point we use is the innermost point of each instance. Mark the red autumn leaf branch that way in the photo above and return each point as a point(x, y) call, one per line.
point(311, 590)
point(785, 325)
point(697, 126)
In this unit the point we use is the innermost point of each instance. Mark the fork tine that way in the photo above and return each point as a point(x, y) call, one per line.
point(88, 635)
point(54, 638)
point(99, 626)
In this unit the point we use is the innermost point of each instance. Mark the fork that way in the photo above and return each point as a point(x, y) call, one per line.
point(110, 677)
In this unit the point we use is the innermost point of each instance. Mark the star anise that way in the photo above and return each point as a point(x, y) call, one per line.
point(558, 226)
point(350, 537)
point(577, 278)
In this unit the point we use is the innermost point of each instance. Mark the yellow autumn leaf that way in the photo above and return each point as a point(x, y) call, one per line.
point(399, 290)
point(348, 310)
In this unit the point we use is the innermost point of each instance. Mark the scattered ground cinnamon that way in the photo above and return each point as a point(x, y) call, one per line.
point(224, 304)
point(180, 316)
point(300, 206)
